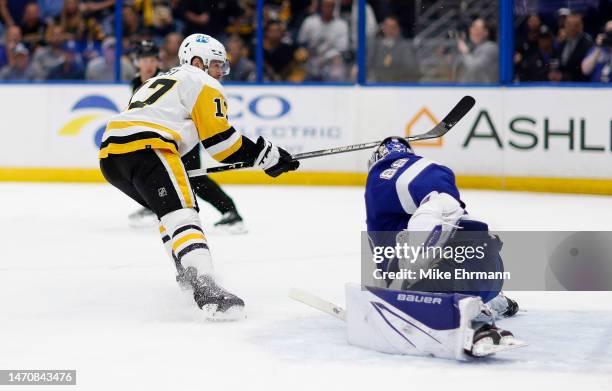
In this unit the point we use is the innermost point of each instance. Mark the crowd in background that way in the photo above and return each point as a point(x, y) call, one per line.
point(563, 50)
point(303, 40)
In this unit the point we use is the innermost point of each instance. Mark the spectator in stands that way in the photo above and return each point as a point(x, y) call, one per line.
point(244, 23)
point(103, 68)
point(348, 11)
point(71, 20)
point(242, 69)
point(598, 63)
point(11, 39)
point(131, 24)
point(20, 69)
point(528, 42)
point(11, 11)
point(480, 62)
point(50, 9)
point(391, 57)
point(574, 49)
point(326, 39)
point(71, 67)
point(169, 52)
point(543, 63)
point(50, 55)
point(99, 12)
point(209, 17)
point(32, 26)
point(163, 23)
point(278, 55)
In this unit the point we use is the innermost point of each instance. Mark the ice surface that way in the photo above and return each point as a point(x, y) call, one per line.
point(80, 290)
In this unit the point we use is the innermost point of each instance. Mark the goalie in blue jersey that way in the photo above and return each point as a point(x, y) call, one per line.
point(414, 202)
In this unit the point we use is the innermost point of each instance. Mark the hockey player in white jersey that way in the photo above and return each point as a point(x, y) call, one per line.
point(141, 153)
point(414, 201)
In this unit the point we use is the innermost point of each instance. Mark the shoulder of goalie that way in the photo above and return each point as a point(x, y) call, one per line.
point(411, 323)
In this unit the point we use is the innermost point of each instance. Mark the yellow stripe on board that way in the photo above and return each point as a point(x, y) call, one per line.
point(305, 178)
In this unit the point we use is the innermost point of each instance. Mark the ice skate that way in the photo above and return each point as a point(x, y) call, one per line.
point(142, 218)
point(232, 223)
point(490, 339)
point(217, 303)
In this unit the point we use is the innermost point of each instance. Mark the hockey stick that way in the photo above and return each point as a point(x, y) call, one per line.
point(315, 302)
point(459, 111)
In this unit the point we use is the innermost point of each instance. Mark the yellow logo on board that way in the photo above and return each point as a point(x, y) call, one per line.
point(424, 113)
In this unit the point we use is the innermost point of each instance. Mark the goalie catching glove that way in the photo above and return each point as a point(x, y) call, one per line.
point(272, 159)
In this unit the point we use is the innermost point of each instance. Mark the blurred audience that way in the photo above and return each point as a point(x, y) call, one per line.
point(103, 68)
point(19, 68)
point(478, 61)
point(597, 65)
point(32, 26)
point(391, 57)
point(573, 50)
point(325, 38)
point(169, 51)
point(242, 69)
point(11, 38)
point(209, 17)
point(541, 63)
point(50, 9)
point(52, 54)
point(71, 66)
point(278, 55)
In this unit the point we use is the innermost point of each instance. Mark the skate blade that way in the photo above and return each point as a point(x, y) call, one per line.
point(234, 229)
point(146, 222)
point(488, 348)
point(232, 314)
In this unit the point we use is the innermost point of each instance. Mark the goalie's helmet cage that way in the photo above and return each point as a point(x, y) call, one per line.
point(205, 47)
point(387, 146)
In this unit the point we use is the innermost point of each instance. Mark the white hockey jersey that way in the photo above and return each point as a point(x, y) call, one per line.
point(174, 111)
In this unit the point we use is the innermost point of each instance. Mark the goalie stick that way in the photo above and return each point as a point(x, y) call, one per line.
point(316, 302)
point(459, 111)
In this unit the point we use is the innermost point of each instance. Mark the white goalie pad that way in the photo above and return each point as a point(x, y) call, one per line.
point(412, 323)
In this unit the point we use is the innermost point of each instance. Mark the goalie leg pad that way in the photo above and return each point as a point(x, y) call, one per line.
point(409, 322)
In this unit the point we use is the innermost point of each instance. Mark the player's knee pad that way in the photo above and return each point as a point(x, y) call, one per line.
point(178, 218)
point(189, 245)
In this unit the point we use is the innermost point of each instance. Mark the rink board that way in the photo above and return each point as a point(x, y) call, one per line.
point(541, 139)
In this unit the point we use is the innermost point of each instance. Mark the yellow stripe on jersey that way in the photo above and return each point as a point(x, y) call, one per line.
point(178, 170)
point(195, 236)
point(228, 152)
point(127, 124)
point(209, 113)
point(119, 149)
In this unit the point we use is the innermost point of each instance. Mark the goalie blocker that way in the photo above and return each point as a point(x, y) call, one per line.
point(417, 323)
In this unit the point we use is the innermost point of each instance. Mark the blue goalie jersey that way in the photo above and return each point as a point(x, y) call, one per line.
point(396, 186)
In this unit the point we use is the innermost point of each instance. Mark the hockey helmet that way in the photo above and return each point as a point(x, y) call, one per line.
point(205, 47)
point(388, 146)
point(147, 49)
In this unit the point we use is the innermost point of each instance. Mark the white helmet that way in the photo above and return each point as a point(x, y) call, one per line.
point(205, 47)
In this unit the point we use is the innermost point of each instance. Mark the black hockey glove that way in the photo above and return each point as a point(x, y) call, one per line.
point(272, 159)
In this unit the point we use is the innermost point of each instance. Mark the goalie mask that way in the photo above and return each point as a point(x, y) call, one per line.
point(388, 146)
point(205, 47)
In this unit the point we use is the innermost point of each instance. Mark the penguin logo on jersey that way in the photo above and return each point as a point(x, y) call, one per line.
point(92, 109)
